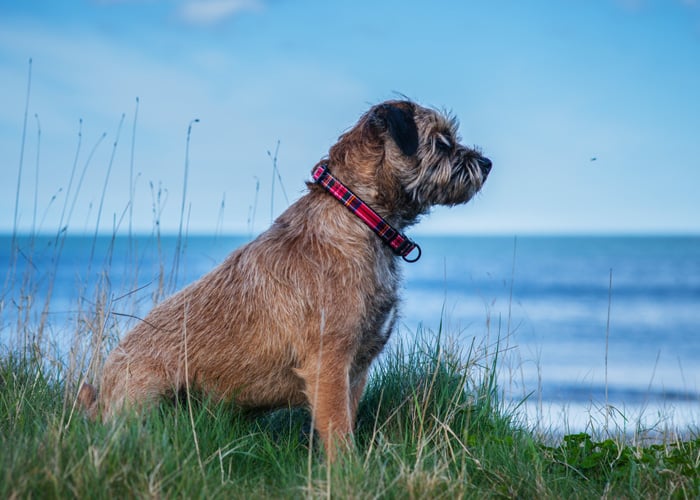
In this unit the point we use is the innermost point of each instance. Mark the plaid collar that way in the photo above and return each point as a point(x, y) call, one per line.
point(399, 243)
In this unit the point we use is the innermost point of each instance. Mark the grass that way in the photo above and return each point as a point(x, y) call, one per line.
point(429, 426)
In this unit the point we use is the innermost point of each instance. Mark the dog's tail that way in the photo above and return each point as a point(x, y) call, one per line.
point(87, 400)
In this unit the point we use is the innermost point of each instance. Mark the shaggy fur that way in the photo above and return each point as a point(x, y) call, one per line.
point(296, 316)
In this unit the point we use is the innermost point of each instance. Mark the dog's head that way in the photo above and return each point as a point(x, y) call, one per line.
point(408, 158)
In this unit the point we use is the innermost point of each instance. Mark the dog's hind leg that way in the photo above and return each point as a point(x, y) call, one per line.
point(132, 385)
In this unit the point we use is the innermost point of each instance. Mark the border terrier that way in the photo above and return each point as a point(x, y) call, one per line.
point(296, 316)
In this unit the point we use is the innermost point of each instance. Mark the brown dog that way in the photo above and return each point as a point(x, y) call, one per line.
point(296, 316)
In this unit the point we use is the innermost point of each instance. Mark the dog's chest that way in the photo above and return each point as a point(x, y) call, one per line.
point(381, 310)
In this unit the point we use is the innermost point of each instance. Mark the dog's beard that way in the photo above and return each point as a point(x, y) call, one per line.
point(469, 175)
point(449, 181)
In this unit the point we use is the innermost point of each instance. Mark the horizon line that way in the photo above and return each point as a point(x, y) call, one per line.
point(417, 234)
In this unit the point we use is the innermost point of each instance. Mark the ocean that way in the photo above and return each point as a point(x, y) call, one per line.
point(591, 330)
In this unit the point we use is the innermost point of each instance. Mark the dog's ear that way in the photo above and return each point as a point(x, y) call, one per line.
point(401, 126)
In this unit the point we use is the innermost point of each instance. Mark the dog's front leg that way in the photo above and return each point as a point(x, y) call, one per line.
point(357, 386)
point(328, 393)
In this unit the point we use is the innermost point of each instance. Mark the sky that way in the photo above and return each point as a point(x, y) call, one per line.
point(589, 109)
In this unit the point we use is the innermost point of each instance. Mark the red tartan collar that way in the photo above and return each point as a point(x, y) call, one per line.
point(399, 243)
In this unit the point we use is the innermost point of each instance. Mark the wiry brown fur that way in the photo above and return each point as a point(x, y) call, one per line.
point(296, 316)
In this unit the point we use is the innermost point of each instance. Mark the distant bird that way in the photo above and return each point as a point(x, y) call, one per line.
point(594, 158)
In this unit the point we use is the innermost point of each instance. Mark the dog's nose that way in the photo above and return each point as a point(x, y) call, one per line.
point(485, 164)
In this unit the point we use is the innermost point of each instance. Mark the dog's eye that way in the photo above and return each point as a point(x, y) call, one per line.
point(442, 142)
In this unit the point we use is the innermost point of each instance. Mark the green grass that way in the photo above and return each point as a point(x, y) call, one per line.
point(429, 426)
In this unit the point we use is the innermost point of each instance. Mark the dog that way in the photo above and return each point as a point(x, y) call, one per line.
point(296, 316)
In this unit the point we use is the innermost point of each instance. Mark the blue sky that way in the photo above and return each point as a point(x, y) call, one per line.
point(589, 109)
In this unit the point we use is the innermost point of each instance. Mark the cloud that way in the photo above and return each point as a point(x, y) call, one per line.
point(207, 12)
point(195, 12)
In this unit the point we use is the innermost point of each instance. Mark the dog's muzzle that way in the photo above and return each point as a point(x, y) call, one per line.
point(485, 165)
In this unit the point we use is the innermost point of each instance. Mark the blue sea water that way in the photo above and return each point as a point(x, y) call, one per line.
point(570, 303)
point(556, 306)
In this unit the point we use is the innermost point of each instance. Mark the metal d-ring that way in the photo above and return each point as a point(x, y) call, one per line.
point(405, 257)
